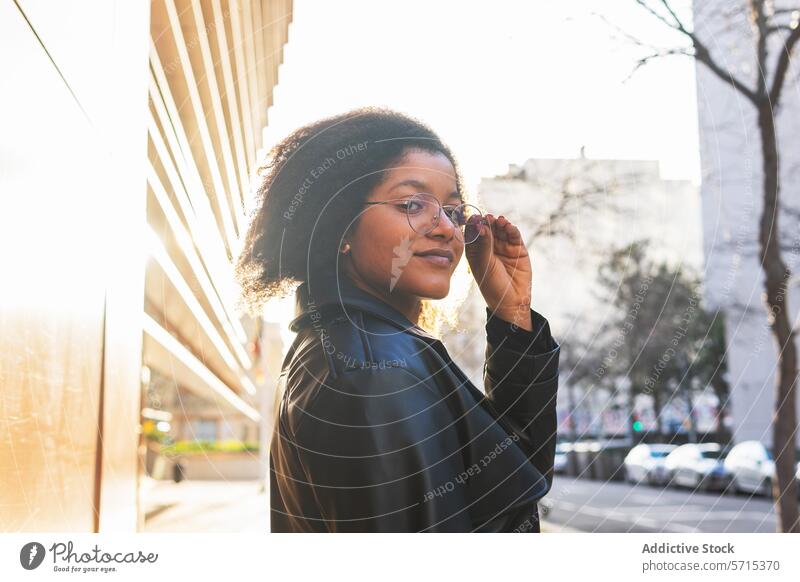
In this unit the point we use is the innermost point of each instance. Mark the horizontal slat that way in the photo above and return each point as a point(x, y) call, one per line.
point(166, 354)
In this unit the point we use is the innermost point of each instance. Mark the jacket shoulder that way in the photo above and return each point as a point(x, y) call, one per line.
point(358, 340)
point(355, 369)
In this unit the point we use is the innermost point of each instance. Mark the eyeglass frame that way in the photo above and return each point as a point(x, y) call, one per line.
point(483, 219)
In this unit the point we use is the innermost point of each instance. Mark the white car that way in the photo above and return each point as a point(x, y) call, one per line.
point(752, 467)
point(646, 463)
point(700, 466)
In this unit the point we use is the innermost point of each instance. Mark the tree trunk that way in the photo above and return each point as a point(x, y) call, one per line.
point(719, 382)
point(691, 416)
point(722, 392)
point(631, 415)
point(776, 277)
point(657, 412)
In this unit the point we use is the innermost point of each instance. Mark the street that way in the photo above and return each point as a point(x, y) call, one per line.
point(596, 506)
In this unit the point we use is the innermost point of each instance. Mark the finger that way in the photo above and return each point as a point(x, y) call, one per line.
point(485, 231)
point(501, 228)
point(489, 226)
point(510, 231)
point(514, 235)
point(474, 227)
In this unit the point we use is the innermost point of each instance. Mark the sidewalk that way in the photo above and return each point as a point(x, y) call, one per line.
point(550, 527)
point(220, 507)
point(205, 506)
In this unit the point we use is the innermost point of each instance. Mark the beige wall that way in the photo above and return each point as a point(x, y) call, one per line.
point(86, 297)
point(72, 195)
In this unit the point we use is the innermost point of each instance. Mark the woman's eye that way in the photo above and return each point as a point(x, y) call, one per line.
point(454, 214)
point(412, 207)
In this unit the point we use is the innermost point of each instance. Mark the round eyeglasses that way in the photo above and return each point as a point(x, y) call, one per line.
point(423, 211)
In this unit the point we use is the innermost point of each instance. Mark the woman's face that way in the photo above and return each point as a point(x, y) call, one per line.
point(385, 249)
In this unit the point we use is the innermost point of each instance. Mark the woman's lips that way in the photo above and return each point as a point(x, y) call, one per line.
point(437, 260)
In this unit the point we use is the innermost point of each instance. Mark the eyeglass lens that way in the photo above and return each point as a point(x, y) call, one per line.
point(424, 211)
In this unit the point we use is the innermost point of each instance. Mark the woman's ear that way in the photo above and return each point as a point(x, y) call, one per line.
point(346, 247)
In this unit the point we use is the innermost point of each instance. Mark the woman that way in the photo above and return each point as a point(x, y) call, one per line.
point(376, 428)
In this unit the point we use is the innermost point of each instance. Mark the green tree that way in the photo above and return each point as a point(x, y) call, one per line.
point(661, 338)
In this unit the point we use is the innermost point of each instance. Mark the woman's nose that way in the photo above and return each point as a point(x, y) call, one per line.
point(445, 226)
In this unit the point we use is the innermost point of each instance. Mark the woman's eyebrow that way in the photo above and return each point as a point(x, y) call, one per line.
point(420, 185)
point(410, 182)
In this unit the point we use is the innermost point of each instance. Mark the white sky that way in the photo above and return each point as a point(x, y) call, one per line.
point(499, 81)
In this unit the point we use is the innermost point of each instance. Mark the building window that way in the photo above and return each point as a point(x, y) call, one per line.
point(204, 430)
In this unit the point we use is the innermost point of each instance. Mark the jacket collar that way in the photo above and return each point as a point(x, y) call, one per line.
point(344, 294)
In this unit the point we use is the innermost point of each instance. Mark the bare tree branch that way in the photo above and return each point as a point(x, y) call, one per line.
point(783, 65)
point(625, 33)
point(778, 27)
point(674, 25)
point(681, 27)
point(704, 56)
point(644, 60)
point(701, 52)
point(760, 21)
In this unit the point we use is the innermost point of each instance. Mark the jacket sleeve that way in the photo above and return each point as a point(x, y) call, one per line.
point(380, 451)
point(521, 382)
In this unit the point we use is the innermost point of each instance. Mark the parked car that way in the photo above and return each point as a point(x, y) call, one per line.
point(646, 463)
point(700, 466)
point(752, 466)
point(560, 461)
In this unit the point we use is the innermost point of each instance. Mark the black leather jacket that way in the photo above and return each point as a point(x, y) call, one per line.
point(376, 429)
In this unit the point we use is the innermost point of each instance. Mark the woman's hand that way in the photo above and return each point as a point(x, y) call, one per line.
point(500, 263)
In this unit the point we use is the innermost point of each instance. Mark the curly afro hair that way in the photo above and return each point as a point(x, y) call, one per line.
point(314, 184)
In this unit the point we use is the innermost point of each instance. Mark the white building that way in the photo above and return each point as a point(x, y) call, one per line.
point(627, 200)
point(732, 200)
